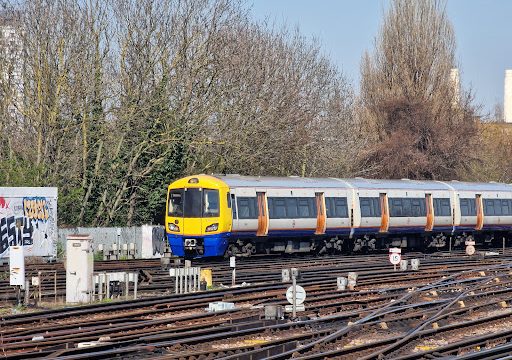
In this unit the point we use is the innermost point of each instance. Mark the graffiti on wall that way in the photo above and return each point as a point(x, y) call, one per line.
point(30, 222)
point(35, 208)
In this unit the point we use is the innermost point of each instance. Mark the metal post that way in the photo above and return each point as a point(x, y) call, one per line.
point(27, 291)
point(294, 295)
point(176, 280)
point(233, 277)
point(18, 295)
point(118, 243)
point(39, 287)
point(127, 286)
point(55, 284)
point(181, 280)
point(100, 286)
point(503, 245)
point(394, 267)
point(450, 244)
point(107, 283)
point(196, 278)
point(93, 297)
point(135, 281)
point(185, 271)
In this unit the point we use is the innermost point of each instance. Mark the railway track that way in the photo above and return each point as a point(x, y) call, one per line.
point(454, 305)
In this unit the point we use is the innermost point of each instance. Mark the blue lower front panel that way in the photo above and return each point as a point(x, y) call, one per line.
point(214, 245)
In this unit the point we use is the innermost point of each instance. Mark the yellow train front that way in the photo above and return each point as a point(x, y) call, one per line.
point(198, 216)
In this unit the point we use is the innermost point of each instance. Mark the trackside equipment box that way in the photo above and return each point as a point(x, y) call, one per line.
point(28, 218)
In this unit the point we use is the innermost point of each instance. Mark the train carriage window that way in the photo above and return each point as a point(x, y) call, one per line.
point(496, 207)
point(247, 208)
point(211, 206)
point(176, 203)
point(306, 208)
point(505, 207)
point(279, 207)
point(336, 207)
point(193, 200)
point(442, 207)
point(407, 207)
point(292, 208)
point(417, 210)
point(396, 209)
point(370, 207)
point(228, 200)
point(467, 207)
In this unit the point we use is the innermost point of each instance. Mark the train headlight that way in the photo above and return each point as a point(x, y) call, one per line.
point(212, 227)
point(173, 227)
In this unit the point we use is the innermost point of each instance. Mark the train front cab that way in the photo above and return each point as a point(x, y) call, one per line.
point(198, 217)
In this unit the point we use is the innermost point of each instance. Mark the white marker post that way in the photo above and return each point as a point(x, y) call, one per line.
point(295, 294)
point(470, 247)
point(232, 264)
point(395, 256)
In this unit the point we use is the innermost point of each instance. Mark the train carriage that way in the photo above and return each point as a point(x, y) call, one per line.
point(215, 215)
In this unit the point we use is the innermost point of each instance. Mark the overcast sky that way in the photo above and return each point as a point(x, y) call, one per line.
point(483, 30)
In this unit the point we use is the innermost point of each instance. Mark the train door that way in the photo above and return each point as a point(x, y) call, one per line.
point(234, 210)
point(479, 212)
point(430, 212)
point(384, 208)
point(320, 214)
point(262, 214)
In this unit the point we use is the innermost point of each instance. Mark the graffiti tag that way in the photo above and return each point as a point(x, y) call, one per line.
point(15, 231)
point(36, 208)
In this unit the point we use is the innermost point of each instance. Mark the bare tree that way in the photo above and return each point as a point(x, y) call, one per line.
point(421, 125)
point(280, 108)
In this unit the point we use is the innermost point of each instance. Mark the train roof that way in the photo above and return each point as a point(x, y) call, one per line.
point(288, 182)
point(306, 182)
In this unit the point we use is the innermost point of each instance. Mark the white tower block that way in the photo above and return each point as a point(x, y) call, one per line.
point(455, 80)
point(507, 101)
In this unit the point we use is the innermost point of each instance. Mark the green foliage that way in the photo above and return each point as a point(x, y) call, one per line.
point(61, 251)
point(98, 256)
point(19, 172)
point(69, 201)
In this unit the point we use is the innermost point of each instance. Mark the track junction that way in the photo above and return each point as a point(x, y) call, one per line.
point(453, 305)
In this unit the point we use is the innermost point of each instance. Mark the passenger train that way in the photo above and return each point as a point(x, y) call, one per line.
point(225, 215)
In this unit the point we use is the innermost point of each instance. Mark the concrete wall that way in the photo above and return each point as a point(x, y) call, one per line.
point(148, 239)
